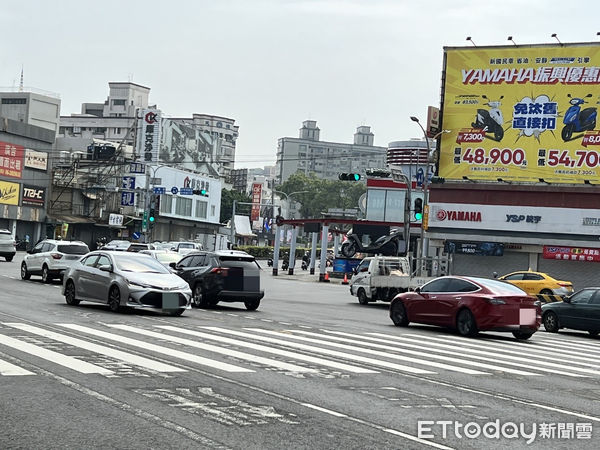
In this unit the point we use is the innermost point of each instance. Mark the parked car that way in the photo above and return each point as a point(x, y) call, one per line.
point(165, 257)
point(50, 258)
point(469, 305)
point(139, 246)
point(580, 311)
point(121, 279)
point(227, 275)
point(538, 283)
point(183, 248)
point(8, 245)
point(118, 245)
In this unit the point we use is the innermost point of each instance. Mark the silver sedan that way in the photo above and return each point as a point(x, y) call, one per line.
point(122, 279)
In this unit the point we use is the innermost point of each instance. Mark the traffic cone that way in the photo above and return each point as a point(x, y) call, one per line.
point(327, 276)
point(345, 279)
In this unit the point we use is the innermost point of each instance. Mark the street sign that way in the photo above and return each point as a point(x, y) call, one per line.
point(186, 191)
point(159, 190)
point(128, 183)
point(136, 167)
point(420, 177)
point(127, 198)
point(155, 181)
point(115, 220)
point(174, 190)
point(136, 235)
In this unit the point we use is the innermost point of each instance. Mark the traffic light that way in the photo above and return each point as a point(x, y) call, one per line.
point(152, 212)
point(418, 208)
point(350, 176)
point(201, 192)
point(437, 180)
point(278, 220)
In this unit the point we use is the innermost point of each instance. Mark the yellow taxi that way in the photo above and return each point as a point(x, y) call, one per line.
point(538, 283)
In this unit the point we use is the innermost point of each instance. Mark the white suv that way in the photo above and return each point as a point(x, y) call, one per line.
point(7, 245)
point(50, 258)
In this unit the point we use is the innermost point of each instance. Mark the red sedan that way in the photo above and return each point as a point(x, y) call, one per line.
point(469, 305)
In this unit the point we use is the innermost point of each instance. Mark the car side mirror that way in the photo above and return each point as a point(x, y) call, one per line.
point(105, 268)
point(173, 265)
point(495, 274)
point(418, 290)
point(354, 270)
point(567, 300)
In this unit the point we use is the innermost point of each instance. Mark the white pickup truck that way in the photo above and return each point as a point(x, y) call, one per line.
point(383, 277)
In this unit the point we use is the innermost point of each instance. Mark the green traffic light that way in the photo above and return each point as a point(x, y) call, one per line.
point(356, 177)
point(151, 219)
point(203, 192)
point(418, 216)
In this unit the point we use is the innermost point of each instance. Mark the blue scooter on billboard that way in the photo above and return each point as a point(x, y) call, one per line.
point(577, 120)
point(490, 121)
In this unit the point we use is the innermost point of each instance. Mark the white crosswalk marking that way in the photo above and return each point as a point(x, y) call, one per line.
point(112, 353)
point(324, 351)
point(157, 348)
point(213, 348)
point(467, 348)
point(49, 355)
point(9, 369)
point(360, 340)
point(376, 353)
point(272, 350)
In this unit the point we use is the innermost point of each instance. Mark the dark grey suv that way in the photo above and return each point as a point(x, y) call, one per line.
point(222, 276)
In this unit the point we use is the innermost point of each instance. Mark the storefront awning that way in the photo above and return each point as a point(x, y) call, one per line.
point(66, 218)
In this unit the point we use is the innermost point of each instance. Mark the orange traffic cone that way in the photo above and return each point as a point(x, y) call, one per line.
point(345, 279)
point(326, 276)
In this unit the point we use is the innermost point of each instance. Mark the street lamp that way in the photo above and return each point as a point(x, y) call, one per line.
point(288, 196)
point(424, 249)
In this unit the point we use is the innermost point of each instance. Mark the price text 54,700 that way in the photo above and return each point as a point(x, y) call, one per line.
point(583, 158)
point(503, 156)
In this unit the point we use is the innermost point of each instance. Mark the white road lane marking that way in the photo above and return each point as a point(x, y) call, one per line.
point(9, 369)
point(558, 369)
point(157, 348)
point(387, 355)
point(213, 348)
point(103, 350)
point(324, 351)
point(54, 357)
point(272, 350)
point(587, 348)
point(421, 351)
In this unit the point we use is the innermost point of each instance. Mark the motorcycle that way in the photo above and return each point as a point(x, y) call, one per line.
point(577, 120)
point(305, 262)
point(491, 121)
point(390, 245)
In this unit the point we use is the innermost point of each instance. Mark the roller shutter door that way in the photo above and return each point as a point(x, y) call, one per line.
point(580, 273)
point(484, 266)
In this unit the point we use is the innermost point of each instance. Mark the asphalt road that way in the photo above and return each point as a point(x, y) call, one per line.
point(311, 368)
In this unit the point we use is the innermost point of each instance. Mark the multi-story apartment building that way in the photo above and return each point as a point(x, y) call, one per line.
point(308, 154)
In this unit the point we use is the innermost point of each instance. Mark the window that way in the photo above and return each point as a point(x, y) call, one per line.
point(364, 266)
point(514, 277)
point(227, 126)
point(47, 247)
point(119, 102)
point(219, 124)
point(99, 130)
point(437, 285)
point(186, 262)
point(183, 206)
point(166, 204)
point(582, 297)
point(596, 298)
point(103, 261)
point(73, 249)
point(457, 285)
point(89, 261)
point(532, 276)
point(197, 261)
point(14, 101)
point(212, 210)
point(117, 131)
point(201, 209)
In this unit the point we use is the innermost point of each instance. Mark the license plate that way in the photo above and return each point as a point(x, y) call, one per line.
point(526, 316)
point(72, 257)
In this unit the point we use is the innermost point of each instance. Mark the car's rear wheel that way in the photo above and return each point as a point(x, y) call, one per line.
point(70, 294)
point(465, 323)
point(25, 275)
point(398, 314)
point(362, 297)
point(252, 305)
point(8, 258)
point(46, 277)
point(114, 299)
point(550, 321)
point(546, 292)
point(522, 335)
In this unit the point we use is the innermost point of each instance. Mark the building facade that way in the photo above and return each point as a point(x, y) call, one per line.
point(308, 154)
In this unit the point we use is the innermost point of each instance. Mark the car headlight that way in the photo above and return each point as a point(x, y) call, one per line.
point(136, 284)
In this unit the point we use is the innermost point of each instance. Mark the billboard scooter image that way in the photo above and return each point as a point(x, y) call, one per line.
point(576, 120)
point(490, 120)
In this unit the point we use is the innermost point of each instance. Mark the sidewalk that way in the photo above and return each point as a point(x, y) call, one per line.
point(299, 274)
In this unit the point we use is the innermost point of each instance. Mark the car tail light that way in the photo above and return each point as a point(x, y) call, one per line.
point(564, 284)
point(56, 255)
point(495, 301)
point(219, 271)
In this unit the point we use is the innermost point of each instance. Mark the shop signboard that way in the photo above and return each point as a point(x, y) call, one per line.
point(522, 113)
point(571, 253)
point(34, 196)
point(36, 160)
point(256, 197)
point(9, 193)
point(11, 160)
point(474, 248)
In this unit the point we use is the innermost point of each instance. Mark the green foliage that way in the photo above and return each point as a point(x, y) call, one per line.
point(322, 194)
point(227, 198)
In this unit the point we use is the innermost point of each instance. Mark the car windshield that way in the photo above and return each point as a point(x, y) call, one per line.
point(186, 245)
point(167, 258)
point(139, 264)
point(73, 249)
point(500, 287)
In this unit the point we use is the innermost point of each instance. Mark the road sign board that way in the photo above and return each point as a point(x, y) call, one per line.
point(128, 183)
point(136, 167)
point(136, 235)
point(154, 181)
point(186, 191)
point(127, 198)
point(159, 190)
point(174, 190)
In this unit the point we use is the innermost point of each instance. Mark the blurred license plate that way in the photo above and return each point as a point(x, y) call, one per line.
point(526, 316)
point(72, 256)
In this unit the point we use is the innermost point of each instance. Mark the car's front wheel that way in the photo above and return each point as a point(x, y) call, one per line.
point(252, 305)
point(465, 323)
point(398, 314)
point(25, 275)
point(522, 335)
point(70, 294)
point(546, 292)
point(550, 321)
point(114, 299)
point(362, 297)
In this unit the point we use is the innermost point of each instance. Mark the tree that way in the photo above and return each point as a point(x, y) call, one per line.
point(227, 198)
point(322, 194)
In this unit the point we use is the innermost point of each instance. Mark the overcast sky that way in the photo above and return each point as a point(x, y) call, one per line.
point(270, 64)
